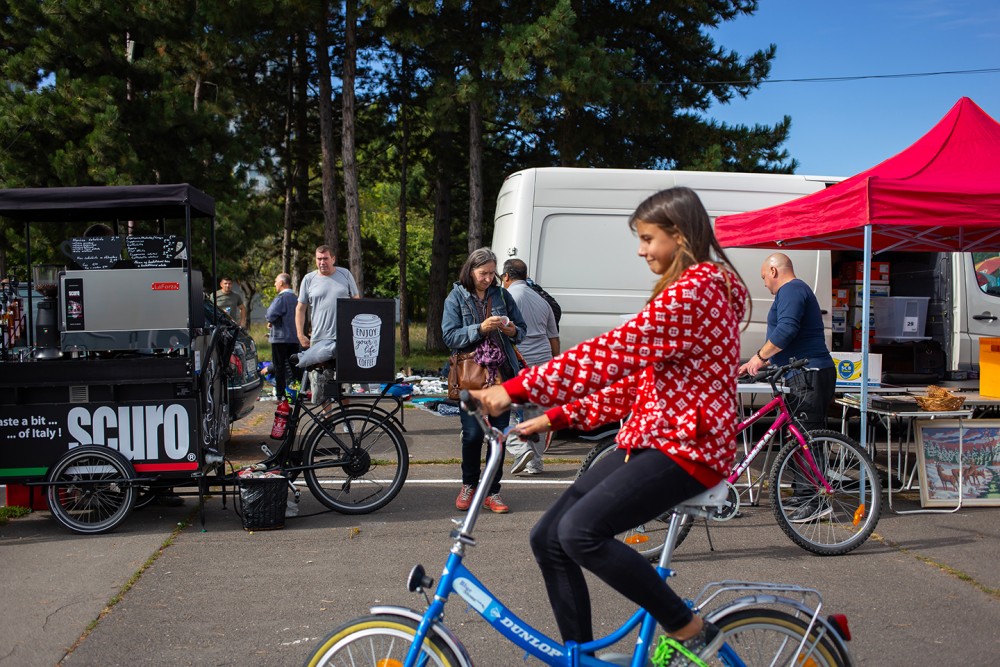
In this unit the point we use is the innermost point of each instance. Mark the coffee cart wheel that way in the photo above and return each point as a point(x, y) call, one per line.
point(90, 491)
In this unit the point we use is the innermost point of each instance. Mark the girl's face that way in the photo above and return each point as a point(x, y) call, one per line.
point(484, 276)
point(656, 246)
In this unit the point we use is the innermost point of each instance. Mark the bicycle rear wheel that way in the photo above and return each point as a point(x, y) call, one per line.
point(89, 491)
point(764, 636)
point(359, 466)
point(839, 520)
point(377, 641)
point(646, 538)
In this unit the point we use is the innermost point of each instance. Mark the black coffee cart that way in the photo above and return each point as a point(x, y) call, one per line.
point(112, 383)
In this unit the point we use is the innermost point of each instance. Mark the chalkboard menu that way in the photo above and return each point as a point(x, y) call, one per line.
point(94, 252)
point(151, 252)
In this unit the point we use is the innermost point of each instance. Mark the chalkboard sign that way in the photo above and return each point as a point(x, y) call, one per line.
point(151, 252)
point(366, 340)
point(94, 252)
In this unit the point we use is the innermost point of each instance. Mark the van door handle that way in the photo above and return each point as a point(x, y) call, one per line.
point(985, 317)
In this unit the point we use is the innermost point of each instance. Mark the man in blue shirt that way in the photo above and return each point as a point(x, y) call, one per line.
point(795, 330)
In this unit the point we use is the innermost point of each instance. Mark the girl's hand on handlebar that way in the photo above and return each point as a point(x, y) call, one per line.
point(495, 400)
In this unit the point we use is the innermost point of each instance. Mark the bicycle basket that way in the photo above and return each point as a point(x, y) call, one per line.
point(262, 502)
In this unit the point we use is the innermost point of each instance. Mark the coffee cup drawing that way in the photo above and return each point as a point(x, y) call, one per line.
point(367, 329)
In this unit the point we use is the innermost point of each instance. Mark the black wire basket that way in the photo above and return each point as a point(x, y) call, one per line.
point(263, 501)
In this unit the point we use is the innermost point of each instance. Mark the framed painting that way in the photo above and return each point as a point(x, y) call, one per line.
point(940, 466)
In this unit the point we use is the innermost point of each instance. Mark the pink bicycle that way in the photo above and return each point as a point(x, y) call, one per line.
point(824, 489)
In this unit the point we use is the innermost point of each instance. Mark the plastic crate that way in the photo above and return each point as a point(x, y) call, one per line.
point(263, 501)
point(989, 367)
point(900, 317)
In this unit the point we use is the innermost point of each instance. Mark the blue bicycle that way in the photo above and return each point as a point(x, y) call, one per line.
point(760, 623)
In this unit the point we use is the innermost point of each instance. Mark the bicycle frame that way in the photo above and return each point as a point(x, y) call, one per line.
point(281, 457)
point(457, 578)
point(784, 418)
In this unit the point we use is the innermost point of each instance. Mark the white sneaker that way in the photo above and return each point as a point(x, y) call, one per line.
point(529, 470)
point(521, 462)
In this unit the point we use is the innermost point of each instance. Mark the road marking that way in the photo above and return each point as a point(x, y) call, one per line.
point(505, 481)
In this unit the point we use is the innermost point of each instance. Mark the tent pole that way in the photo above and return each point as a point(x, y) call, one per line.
point(865, 331)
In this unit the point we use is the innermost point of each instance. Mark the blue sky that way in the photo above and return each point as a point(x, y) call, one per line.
point(841, 128)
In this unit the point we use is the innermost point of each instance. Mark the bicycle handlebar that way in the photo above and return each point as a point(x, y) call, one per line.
point(773, 374)
point(475, 408)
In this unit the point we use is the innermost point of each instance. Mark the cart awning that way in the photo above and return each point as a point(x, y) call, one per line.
point(105, 202)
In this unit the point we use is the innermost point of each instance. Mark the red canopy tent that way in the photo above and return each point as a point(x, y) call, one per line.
point(940, 194)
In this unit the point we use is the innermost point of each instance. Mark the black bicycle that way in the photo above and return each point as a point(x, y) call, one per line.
point(353, 456)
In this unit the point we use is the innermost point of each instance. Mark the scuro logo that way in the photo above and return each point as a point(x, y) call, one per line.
point(139, 432)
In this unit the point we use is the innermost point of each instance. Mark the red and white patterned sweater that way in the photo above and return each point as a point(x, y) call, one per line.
point(673, 366)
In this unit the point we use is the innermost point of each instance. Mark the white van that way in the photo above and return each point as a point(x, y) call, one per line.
point(571, 227)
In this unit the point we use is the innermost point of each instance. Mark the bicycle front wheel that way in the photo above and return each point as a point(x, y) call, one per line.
point(377, 641)
point(772, 637)
point(647, 538)
point(357, 464)
point(832, 522)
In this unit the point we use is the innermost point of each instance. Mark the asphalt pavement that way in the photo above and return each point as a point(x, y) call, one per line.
point(163, 590)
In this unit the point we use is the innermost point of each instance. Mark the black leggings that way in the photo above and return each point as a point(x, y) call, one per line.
point(579, 530)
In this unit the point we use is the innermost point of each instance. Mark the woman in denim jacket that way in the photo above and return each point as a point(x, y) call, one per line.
point(464, 325)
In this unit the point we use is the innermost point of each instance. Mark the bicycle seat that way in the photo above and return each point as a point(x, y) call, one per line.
point(712, 498)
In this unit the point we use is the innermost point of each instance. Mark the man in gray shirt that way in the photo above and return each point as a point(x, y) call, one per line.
point(540, 344)
point(318, 294)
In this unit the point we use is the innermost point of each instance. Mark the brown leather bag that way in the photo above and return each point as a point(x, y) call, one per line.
point(465, 373)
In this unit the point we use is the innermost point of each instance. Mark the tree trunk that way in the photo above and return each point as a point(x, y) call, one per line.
point(404, 297)
point(475, 176)
point(286, 240)
point(440, 243)
point(328, 176)
point(303, 158)
point(350, 164)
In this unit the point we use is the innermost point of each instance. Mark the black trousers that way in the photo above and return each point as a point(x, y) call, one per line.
point(809, 399)
point(579, 530)
point(284, 370)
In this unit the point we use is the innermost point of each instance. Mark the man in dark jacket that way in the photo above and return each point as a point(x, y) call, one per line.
point(282, 333)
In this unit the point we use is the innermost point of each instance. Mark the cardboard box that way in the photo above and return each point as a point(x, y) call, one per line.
point(856, 339)
point(838, 321)
point(849, 369)
point(854, 318)
point(855, 293)
point(989, 367)
point(840, 297)
point(854, 272)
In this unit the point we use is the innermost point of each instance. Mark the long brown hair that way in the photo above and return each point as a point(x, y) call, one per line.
point(680, 213)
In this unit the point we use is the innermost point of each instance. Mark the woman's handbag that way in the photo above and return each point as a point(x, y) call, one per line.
point(465, 373)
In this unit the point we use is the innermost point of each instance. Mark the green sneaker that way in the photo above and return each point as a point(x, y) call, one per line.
point(670, 652)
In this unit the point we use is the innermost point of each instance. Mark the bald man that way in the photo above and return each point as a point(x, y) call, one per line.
point(795, 329)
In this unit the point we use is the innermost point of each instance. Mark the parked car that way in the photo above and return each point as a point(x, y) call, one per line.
point(244, 381)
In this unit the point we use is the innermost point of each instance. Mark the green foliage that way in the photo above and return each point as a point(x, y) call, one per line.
point(223, 95)
point(8, 512)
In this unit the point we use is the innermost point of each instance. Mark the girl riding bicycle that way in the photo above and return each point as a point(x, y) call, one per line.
point(673, 367)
